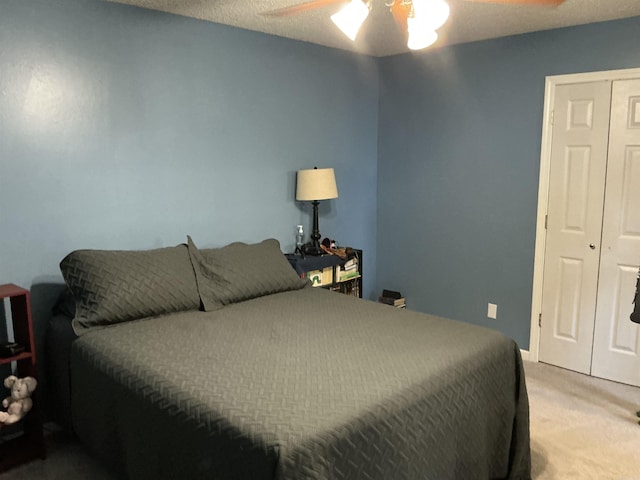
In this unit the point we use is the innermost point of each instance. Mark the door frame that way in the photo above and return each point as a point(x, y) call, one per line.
point(551, 83)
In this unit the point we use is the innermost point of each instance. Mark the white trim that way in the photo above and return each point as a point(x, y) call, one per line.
point(551, 83)
point(526, 356)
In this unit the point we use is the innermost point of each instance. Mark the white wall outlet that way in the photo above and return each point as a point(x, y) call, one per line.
point(492, 310)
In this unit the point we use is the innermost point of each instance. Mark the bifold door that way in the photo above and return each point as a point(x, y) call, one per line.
point(593, 231)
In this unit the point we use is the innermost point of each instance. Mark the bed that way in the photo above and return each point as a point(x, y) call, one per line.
point(275, 379)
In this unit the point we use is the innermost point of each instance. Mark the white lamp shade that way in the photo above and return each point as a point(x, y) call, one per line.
point(432, 14)
point(316, 184)
point(351, 17)
point(420, 35)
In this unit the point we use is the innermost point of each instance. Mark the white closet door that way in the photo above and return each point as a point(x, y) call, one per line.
point(576, 198)
point(616, 344)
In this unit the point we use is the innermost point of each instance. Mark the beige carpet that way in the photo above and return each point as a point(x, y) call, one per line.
point(581, 428)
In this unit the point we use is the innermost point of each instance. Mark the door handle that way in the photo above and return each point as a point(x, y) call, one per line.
point(592, 246)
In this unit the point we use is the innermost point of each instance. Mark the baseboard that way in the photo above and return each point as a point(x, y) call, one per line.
point(525, 355)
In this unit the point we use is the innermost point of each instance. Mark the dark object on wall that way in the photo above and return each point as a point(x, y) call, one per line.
point(635, 315)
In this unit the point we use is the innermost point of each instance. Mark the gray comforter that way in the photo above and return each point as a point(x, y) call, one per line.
point(306, 384)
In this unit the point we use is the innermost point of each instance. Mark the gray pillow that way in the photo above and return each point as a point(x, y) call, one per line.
point(241, 271)
point(113, 286)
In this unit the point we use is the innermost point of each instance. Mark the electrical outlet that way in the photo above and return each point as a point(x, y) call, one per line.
point(492, 311)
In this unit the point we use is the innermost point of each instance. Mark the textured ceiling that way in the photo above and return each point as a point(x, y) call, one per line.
point(379, 36)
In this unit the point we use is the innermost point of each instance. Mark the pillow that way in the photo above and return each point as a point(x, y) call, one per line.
point(113, 286)
point(65, 305)
point(241, 271)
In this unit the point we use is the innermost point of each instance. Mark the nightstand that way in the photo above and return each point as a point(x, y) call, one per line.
point(22, 441)
point(331, 272)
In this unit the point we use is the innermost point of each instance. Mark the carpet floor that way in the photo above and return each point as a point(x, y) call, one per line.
point(581, 428)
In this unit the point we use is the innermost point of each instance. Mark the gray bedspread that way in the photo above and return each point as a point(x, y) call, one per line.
point(307, 384)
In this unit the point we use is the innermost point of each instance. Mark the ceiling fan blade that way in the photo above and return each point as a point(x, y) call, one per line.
point(302, 7)
point(400, 12)
point(553, 3)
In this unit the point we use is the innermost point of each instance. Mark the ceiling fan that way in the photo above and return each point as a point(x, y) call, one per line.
point(419, 18)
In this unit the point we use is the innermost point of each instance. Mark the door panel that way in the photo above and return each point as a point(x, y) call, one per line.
point(616, 345)
point(569, 299)
point(576, 197)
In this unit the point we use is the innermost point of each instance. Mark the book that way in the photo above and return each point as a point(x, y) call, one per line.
point(315, 276)
point(344, 275)
point(396, 302)
point(320, 278)
point(350, 264)
point(391, 294)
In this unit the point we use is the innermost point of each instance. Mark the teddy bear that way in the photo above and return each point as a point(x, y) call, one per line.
point(19, 402)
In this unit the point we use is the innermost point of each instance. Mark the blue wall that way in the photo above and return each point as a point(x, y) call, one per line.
point(458, 166)
point(128, 128)
point(125, 128)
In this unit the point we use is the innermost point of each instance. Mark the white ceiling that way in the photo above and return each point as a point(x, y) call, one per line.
point(379, 36)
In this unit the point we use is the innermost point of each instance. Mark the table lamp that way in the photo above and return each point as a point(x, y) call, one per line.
point(314, 185)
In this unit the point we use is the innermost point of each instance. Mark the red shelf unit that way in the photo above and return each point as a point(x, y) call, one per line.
point(26, 441)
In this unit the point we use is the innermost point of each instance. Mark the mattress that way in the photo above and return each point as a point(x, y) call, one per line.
point(305, 384)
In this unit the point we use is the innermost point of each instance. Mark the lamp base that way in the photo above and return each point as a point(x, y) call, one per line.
point(311, 249)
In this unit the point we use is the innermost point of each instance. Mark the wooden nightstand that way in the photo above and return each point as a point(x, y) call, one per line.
point(331, 272)
point(22, 441)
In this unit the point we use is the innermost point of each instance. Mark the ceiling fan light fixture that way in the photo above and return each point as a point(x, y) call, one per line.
point(351, 17)
point(431, 13)
point(421, 35)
